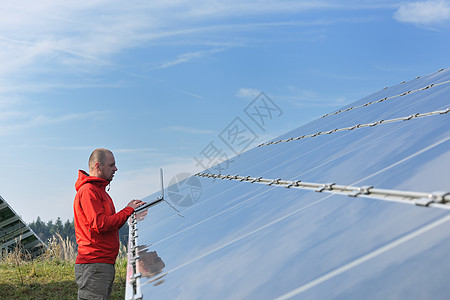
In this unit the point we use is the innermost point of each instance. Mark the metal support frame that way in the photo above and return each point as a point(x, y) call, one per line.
point(439, 199)
point(405, 118)
point(133, 245)
point(133, 258)
point(387, 98)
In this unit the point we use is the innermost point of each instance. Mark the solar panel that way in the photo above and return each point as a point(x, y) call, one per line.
point(13, 230)
point(352, 205)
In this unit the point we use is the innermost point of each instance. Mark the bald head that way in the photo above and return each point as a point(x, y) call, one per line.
point(98, 156)
point(102, 164)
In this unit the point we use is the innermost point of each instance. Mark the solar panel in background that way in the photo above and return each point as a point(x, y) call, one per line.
point(14, 232)
point(352, 205)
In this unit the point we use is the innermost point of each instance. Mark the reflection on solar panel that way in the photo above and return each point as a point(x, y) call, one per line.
point(353, 205)
point(13, 230)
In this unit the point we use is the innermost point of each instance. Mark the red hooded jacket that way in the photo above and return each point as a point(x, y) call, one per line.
point(96, 221)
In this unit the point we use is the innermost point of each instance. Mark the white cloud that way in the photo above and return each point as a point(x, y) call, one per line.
point(248, 93)
point(424, 13)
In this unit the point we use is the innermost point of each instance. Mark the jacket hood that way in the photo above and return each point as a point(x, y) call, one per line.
point(84, 177)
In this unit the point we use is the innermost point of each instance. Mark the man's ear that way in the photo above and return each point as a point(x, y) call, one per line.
point(97, 166)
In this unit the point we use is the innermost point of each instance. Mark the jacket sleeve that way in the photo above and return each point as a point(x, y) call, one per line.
point(95, 213)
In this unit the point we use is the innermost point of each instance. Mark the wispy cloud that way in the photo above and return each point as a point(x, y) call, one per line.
point(247, 93)
point(337, 75)
point(134, 150)
point(186, 57)
point(48, 45)
point(53, 34)
point(189, 130)
point(9, 102)
point(42, 86)
point(424, 12)
point(40, 120)
point(309, 98)
point(24, 120)
point(48, 147)
point(392, 68)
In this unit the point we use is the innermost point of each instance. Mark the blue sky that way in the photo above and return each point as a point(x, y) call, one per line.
point(160, 82)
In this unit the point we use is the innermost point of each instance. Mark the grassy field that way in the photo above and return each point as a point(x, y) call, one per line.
point(50, 276)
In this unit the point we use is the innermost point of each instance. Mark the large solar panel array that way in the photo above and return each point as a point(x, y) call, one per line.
point(14, 232)
point(353, 205)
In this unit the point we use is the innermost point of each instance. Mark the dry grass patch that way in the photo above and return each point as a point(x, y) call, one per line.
point(51, 275)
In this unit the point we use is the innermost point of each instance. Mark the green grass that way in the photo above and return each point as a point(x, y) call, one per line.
point(46, 278)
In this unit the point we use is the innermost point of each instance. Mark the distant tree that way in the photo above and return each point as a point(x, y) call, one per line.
point(58, 226)
point(69, 230)
point(49, 230)
point(46, 231)
point(39, 228)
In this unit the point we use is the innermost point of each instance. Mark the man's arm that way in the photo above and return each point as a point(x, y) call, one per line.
point(95, 213)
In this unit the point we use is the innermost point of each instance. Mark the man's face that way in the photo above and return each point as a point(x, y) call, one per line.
point(109, 168)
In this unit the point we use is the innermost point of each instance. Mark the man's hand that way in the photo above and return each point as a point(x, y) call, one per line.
point(136, 203)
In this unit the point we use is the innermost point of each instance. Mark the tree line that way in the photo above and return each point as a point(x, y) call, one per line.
point(47, 230)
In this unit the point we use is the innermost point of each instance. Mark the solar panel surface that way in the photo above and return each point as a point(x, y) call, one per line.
point(242, 238)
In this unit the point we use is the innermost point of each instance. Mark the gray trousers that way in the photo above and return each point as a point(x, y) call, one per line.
point(95, 281)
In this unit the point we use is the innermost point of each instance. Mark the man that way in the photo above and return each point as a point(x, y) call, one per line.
point(97, 227)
